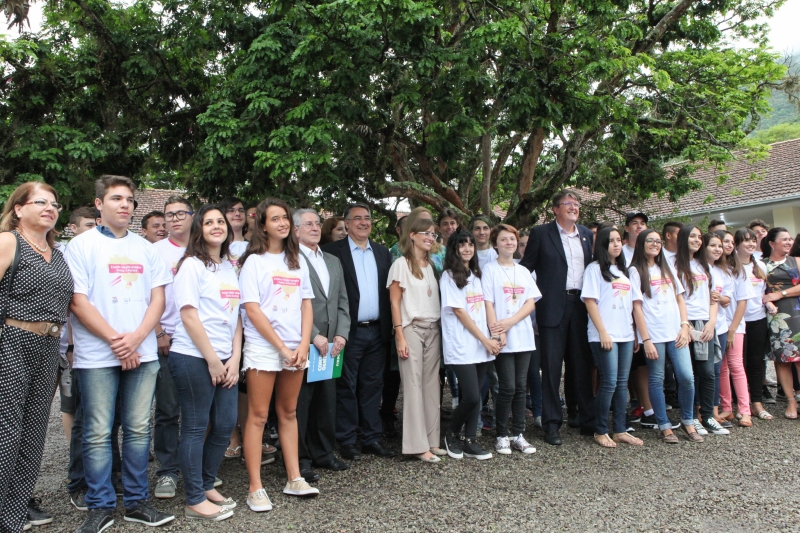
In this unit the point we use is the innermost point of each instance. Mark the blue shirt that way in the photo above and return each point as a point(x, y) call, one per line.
point(367, 276)
point(107, 232)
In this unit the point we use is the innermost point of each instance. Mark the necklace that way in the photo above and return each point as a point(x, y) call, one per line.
point(41, 250)
point(513, 283)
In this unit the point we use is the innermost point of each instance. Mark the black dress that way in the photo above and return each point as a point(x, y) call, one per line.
point(28, 365)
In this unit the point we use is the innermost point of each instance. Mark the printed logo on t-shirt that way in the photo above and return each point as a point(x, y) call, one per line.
point(128, 270)
point(621, 287)
point(756, 281)
point(174, 268)
point(698, 280)
point(657, 284)
point(475, 301)
point(512, 292)
point(287, 284)
point(231, 295)
point(234, 261)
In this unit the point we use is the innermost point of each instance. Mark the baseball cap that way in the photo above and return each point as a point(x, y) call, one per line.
point(631, 216)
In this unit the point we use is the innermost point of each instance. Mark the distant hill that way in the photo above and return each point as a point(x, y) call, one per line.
point(783, 111)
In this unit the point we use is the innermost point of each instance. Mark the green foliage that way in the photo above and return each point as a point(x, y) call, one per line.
point(326, 102)
point(778, 132)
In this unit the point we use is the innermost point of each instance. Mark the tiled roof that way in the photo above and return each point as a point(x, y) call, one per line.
point(149, 200)
point(774, 178)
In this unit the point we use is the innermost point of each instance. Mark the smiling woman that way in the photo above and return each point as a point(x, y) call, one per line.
point(36, 289)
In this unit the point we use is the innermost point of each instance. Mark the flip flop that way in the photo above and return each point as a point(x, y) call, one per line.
point(233, 453)
point(606, 442)
point(627, 438)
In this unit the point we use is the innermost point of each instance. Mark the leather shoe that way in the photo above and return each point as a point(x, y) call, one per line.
point(376, 448)
point(587, 432)
point(573, 422)
point(333, 464)
point(350, 451)
point(309, 475)
point(554, 439)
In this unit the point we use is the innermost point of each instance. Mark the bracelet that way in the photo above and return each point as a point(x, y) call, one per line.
point(159, 335)
point(70, 347)
point(684, 323)
point(398, 327)
point(645, 340)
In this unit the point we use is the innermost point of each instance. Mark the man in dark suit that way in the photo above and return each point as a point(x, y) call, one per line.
point(559, 252)
point(316, 405)
point(358, 392)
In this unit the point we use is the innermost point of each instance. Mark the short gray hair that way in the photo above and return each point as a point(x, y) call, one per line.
point(298, 215)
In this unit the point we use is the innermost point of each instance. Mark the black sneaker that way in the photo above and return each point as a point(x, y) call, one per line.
point(780, 395)
point(78, 499)
point(36, 516)
point(97, 521)
point(452, 443)
point(146, 514)
point(766, 395)
point(648, 421)
point(471, 449)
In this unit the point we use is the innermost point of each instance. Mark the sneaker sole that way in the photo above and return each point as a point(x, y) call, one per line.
point(506, 451)
point(311, 492)
point(478, 457)
point(78, 507)
point(150, 524)
point(268, 460)
point(164, 496)
point(259, 508)
point(220, 518)
point(526, 451)
point(110, 523)
point(41, 522)
point(452, 454)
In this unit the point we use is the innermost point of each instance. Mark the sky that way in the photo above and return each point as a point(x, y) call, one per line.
point(783, 33)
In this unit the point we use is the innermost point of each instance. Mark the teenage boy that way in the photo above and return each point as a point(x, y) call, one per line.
point(635, 223)
point(118, 301)
point(669, 234)
point(178, 215)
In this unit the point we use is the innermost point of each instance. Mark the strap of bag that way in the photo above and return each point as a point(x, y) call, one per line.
point(12, 273)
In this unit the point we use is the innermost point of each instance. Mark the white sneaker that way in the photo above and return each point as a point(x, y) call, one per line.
point(502, 446)
point(258, 501)
point(299, 487)
point(519, 443)
point(715, 428)
point(699, 427)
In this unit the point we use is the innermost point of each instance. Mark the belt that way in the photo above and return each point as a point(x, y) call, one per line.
point(44, 329)
point(574, 292)
point(368, 323)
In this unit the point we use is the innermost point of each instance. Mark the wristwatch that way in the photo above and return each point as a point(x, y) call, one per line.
point(783, 293)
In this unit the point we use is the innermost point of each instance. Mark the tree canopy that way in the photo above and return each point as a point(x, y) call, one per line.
point(449, 103)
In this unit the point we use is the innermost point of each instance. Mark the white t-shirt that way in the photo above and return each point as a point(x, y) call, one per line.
point(500, 286)
point(171, 254)
point(235, 251)
point(214, 292)
point(266, 279)
point(755, 305)
point(699, 303)
point(485, 257)
point(669, 256)
point(661, 312)
point(627, 252)
point(614, 300)
point(723, 284)
point(742, 290)
point(117, 276)
point(460, 347)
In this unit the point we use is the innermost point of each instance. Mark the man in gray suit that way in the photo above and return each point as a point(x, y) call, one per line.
point(316, 405)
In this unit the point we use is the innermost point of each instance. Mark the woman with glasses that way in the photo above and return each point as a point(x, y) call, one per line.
point(35, 292)
point(414, 296)
point(663, 326)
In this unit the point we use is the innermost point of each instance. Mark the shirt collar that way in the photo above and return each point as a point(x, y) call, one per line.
point(353, 244)
point(309, 252)
point(107, 232)
point(565, 232)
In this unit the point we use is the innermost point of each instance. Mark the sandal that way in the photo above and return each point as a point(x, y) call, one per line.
point(604, 441)
point(627, 438)
point(746, 423)
point(763, 415)
point(233, 453)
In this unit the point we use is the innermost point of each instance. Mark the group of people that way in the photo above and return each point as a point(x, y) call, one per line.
point(214, 312)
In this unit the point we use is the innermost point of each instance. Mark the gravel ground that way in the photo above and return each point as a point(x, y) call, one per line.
point(742, 482)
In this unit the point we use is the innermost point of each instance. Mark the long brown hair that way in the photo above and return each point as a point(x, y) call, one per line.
point(746, 234)
point(639, 262)
point(421, 224)
point(197, 246)
point(21, 196)
point(259, 241)
point(327, 229)
point(683, 260)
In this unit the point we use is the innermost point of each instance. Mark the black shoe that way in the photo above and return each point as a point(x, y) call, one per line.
point(573, 422)
point(587, 432)
point(389, 431)
point(97, 521)
point(334, 464)
point(146, 514)
point(766, 395)
point(648, 421)
point(350, 452)
point(553, 439)
point(376, 448)
point(471, 449)
point(78, 499)
point(36, 516)
point(309, 475)
point(116, 480)
point(452, 444)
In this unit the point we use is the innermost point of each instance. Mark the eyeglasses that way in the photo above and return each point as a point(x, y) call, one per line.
point(311, 225)
point(570, 204)
point(232, 210)
point(361, 219)
point(653, 241)
point(42, 204)
point(434, 236)
point(177, 215)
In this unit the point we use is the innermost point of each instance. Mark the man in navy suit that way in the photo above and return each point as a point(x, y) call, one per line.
point(358, 391)
point(559, 252)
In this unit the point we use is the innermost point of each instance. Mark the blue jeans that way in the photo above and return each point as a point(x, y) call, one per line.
point(99, 388)
point(202, 406)
point(682, 364)
point(613, 368)
point(166, 422)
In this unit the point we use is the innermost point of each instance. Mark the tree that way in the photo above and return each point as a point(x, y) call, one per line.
point(448, 103)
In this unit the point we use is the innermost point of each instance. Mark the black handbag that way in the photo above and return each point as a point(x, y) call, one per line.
point(11, 274)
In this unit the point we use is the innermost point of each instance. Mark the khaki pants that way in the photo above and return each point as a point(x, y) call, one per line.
point(420, 376)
